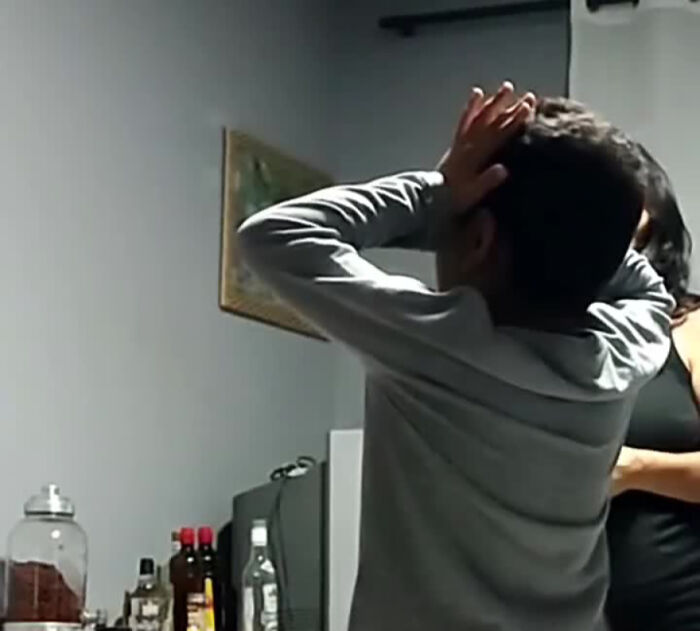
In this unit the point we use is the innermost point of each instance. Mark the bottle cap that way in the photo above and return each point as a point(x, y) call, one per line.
point(187, 536)
point(258, 534)
point(49, 501)
point(205, 536)
point(147, 567)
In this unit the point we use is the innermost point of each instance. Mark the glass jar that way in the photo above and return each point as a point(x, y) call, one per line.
point(46, 567)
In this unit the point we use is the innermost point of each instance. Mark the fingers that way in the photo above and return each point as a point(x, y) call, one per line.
point(499, 112)
point(493, 107)
point(531, 99)
point(471, 110)
point(510, 121)
point(521, 114)
point(502, 101)
point(484, 126)
point(522, 107)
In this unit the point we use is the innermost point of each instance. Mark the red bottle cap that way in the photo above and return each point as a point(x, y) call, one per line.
point(205, 536)
point(187, 536)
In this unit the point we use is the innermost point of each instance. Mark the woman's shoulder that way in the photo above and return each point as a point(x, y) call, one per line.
point(686, 337)
point(691, 322)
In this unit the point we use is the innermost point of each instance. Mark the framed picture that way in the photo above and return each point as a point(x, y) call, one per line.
point(257, 176)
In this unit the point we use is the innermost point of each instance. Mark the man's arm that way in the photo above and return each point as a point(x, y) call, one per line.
point(308, 249)
point(634, 320)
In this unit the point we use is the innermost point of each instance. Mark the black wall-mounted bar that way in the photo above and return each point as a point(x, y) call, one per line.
point(408, 24)
point(594, 5)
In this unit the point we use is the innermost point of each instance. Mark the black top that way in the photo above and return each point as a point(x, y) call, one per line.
point(655, 541)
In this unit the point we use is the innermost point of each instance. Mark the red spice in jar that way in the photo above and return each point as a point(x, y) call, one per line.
point(37, 592)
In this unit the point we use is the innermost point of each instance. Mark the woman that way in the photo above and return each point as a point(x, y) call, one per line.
point(654, 522)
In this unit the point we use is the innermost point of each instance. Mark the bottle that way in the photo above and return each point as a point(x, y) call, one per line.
point(148, 601)
point(167, 583)
point(94, 620)
point(210, 576)
point(188, 588)
point(259, 607)
point(228, 601)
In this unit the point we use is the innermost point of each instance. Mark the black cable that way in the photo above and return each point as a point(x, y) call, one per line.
point(283, 474)
point(275, 521)
point(293, 469)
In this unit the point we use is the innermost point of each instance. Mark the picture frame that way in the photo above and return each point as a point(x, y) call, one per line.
point(257, 176)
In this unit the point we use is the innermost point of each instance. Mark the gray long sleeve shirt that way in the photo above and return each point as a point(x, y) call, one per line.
point(488, 449)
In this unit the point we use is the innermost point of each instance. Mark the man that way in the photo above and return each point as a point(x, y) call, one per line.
point(495, 406)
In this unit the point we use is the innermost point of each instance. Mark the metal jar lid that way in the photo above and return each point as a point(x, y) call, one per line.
point(49, 501)
point(42, 626)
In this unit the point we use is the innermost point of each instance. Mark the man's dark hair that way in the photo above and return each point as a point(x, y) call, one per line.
point(570, 205)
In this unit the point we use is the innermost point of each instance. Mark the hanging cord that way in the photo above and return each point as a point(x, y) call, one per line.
point(293, 469)
point(283, 474)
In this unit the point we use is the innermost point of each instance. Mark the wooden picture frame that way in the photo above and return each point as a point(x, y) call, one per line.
point(257, 176)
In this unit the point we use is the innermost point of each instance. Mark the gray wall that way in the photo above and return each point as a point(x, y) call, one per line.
point(121, 379)
point(397, 99)
point(396, 102)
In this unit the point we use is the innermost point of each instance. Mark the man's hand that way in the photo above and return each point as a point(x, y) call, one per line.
point(485, 125)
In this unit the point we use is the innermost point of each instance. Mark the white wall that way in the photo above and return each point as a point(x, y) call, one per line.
point(397, 100)
point(638, 66)
point(120, 378)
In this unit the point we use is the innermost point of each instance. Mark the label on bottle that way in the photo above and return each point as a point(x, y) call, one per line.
point(195, 611)
point(145, 614)
point(248, 609)
point(170, 613)
point(209, 616)
point(269, 616)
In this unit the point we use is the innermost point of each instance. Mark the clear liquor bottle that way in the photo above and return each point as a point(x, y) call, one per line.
point(148, 601)
point(259, 608)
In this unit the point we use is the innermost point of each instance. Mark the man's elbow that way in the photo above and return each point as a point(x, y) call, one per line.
point(263, 242)
point(252, 240)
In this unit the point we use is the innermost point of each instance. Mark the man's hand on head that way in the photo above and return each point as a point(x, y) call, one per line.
point(484, 126)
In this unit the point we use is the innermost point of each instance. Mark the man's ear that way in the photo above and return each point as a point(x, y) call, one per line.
point(480, 238)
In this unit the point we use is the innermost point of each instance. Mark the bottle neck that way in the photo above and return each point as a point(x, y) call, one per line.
point(146, 579)
point(259, 549)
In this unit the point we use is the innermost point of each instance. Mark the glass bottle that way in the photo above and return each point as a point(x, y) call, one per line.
point(188, 588)
point(148, 601)
point(210, 576)
point(259, 609)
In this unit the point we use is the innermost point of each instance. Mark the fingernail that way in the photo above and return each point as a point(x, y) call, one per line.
point(501, 172)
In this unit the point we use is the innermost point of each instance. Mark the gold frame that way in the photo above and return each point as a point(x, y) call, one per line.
point(298, 179)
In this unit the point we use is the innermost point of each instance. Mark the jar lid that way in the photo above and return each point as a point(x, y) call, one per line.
point(49, 501)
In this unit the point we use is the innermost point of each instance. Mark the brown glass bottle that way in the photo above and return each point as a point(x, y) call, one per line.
point(188, 586)
point(210, 578)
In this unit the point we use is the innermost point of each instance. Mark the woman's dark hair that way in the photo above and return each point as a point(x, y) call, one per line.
point(664, 239)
